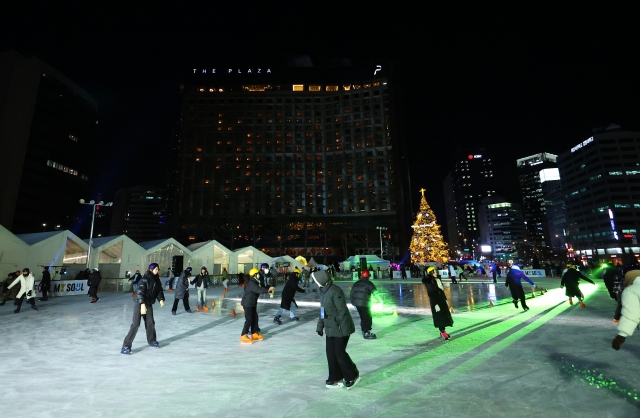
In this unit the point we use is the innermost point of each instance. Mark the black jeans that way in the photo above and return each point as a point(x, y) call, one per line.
point(185, 302)
point(340, 364)
point(365, 318)
point(93, 292)
point(31, 301)
point(149, 325)
point(45, 291)
point(250, 320)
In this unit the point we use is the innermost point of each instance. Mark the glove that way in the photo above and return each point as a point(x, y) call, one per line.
point(437, 308)
point(161, 303)
point(272, 290)
point(617, 342)
point(30, 292)
point(143, 309)
point(320, 333)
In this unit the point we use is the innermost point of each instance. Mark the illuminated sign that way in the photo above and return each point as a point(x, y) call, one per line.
point(628, 236)
point(471, 157)
point(485, 248)
point(378, 68)
point(582, 144)
point(233, 70)
point(549, 174)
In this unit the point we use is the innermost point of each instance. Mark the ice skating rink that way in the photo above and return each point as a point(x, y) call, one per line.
point(555, 360)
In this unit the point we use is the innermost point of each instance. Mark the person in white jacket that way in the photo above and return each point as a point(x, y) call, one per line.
point(630, 305)
point(26, 281)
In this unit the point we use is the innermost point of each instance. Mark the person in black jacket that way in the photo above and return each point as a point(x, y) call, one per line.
point(134, 282)
point(94, 283)
point(182, 291)
point(439, 306)
point(570, 279)
point(288, 302)
point(149, 290)
point(45, 284)
point(202, 282)
point(361, 298)
point(252, 291)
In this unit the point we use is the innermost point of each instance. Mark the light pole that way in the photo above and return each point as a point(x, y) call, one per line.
point(381, 228)
point(44, 227)
point(93, 217)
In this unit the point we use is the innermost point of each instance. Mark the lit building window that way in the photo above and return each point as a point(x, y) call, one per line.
point(198, 149)
point(347, 87)
point(201, 90)
point(332, 88)
point(198, 159)
point(73, 138)
point(315, 88)
point(212, 90)
point(207, 181)
point(298, 87)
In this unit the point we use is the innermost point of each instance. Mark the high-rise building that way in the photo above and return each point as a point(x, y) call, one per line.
point(139, 213)
point(320, 145)
point(471, 181)
point(48, 126)
point(601, 183)
point(533, 201)
point(501, 228)
point(554, 206)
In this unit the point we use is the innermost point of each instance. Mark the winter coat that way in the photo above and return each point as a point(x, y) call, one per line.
point(435, 289)
point(609, 278)
point(26, 286)
point(149, 289)
point(46, 280)
point(182, 286)
point(94, 280)
point(289, 292)
point(252, 290)
point(265, 279)
point(337, 321)
point(10, 293)
point(514, 283)
point(630, 309)
point(200, 279)
point(136, 278)
point(361, 293)
point(570, 280)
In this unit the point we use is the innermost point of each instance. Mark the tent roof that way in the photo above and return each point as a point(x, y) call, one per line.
point(9, 235)
point(37, 237)
point(147, 245)
point(159, 243)
point(198, 245)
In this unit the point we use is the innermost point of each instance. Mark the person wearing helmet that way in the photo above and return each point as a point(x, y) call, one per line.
point(439, 307)
point(94, 282)
point(570, 280)
point(265, 275)
point(26, 281)
point(360, 297)
point(288, 302)
point(182, 291)
point(249, 302)
point(630, 305)
point(149, 290)
point(202, 282)
point(514, 283)
point(134, 282)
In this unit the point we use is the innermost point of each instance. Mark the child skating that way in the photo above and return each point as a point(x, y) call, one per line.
point(288, 302)
point(360, 297)
point(439, 306)
point(252, 291)
point(514, 283)
point(570, 280)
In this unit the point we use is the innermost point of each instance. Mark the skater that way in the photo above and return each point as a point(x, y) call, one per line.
point(182, 291)
point(134, 282)
point(514, 283)
point(403, 272)
point(452, 274)
point(26, 281)
point(202, 282)
point(461, 273)
point(225, 279)
point(494, 272)
point(288, 302)
point(571, 279)
point(171, 277)
point(10, 293)
point(94, 283)
point(439, 306)
point(609, 278)
point(265, 275)
point(252, 290)
point(360, 297)
point(336, 319)
point(149, 290)
point(45, 284)
point(630, 305)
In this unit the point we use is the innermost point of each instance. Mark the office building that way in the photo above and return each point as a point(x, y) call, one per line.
point(502, 231)
point(139, 213)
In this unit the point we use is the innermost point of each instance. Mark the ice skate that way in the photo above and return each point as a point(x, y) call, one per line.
point(352, 383)
point(133, 295)
point(125, 350)
point(154, 344)
point(582, 305)
point(17, 311)
point(444, 335)
point(570, 301)
point(616, 320)
point(277, 320)
point(173, 313)
point(226, 290)
point(34, 307)
point(197, 309)
point(294, 319)
point(369, 336)
point(526, 308)
point(515, 302)
point(256, 337)
point(245, 339)
point(205, 309)
point(333, 385)
point(188, 311)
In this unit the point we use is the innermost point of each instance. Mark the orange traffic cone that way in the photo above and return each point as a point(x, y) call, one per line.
point(491, 303)
point(213, 304)
point(223, 296)
point(233, 313)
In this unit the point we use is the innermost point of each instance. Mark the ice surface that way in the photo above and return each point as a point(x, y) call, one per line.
point(553, 361)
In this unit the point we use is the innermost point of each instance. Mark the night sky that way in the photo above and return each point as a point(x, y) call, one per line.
point(515, 81)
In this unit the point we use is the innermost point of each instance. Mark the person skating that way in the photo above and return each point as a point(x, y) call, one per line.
point(202, 282)
point(360, 297)
point(570, 280)
point(171, 277)
point(94, 283)
point(461, 273)
point(439, 307)
point(10, 293)
point(288, 302)
point(182, 291)
point(452, 274)
point(225, 279)
point(249, 302)
point(26, 281)
point(630, 305)
point(134, 282)
point(45, 284)
point(494, 272)
point(335, 320)
point(609, 277)
point(149, 290)
point(514, 283)
point(265, 275)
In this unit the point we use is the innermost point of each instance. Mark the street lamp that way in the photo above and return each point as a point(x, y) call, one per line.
point(93, 217)
point(44, 227)
point(381, 228)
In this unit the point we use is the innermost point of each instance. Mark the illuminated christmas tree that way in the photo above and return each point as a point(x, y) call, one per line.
point(427, 243)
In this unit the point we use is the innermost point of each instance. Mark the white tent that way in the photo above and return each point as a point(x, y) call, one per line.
point(372, 260)
point(56, 248)
point(244, 259)
point(162, 251)
point(210, 254)
point(116, 255)
point(13, 253)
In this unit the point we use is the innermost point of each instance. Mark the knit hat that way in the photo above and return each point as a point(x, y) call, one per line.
point(25, 270)
point(188, 269)
point(320, 277)
point(153, 265)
